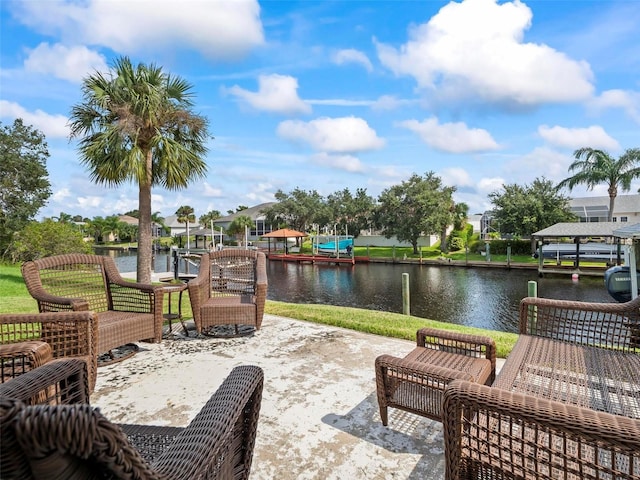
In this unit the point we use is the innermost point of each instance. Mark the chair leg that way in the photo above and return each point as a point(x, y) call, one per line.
point(383, 415)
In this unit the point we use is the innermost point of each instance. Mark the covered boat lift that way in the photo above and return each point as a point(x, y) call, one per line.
point(578, 232)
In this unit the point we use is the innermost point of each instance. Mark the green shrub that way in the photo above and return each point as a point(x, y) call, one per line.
point(43, 239)
point(518, 247)
point(456, 243)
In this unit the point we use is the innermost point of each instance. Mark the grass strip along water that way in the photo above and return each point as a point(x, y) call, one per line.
point(14, 298)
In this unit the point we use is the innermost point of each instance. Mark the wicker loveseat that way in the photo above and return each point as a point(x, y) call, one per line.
point(128, 312)
point(230, 289)
point(64, 437)
point(566, 403)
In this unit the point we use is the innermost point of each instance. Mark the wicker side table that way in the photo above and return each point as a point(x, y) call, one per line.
point(178, 288)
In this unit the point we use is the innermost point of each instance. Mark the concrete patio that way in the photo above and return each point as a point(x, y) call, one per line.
point(319, 416)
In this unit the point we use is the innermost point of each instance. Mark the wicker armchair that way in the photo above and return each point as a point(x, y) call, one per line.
point(128, 312)
point(75, 441)
point(29, 340)
point(230, 289)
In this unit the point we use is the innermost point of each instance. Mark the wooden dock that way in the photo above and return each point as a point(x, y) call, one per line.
point(302, 258)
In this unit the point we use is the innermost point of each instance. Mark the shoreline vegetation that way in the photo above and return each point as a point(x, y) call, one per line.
point(429, 256)
point(14, 298)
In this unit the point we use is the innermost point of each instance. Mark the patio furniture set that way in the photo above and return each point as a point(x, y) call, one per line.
point(49, 363)
point(566, 403)
point(106, 313)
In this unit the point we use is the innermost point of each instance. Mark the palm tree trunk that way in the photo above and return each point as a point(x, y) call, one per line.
point(144, 226)
point(612, 201)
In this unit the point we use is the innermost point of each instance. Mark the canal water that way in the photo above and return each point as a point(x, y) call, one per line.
point(478, 297)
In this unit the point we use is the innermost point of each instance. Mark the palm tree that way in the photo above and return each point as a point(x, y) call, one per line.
point(136, 124)
point(98, 228)
point(185, 215)
point(206, 219)
point(239, 226)
point(593, 167)
point(63, 218)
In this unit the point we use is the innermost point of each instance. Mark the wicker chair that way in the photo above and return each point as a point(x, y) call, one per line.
point(66, 439)
point(29, 340)
point(127, 312)
point(230, 289)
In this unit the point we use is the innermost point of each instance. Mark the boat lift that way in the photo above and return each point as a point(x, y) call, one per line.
point(333, 245)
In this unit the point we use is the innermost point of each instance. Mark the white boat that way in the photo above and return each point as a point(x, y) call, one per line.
point(590, 250)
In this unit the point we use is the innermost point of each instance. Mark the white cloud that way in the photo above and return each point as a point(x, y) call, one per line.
point(458, 177)
point(68, 63)
point(540, 162)
point(352, 56)
point(389, 102)
point(211, 191)
point(60, 195)
point(451, 137)
point(627, 100)
point(341, 102)
point(593, 136)
point(348, 163)
point(53, 126)
point(124, 203)
point(475, 50)
point(276, 93)
point(90, 202)
point(217, 28)
point(342, 135)
point(490, 184)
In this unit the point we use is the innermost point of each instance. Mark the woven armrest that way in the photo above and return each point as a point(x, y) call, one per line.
point(494, 433)
point(21, 357)
point(220, 439)
point(136, 297)
point(58, 382)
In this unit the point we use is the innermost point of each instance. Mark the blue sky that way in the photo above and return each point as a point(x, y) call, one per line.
point(324, 95)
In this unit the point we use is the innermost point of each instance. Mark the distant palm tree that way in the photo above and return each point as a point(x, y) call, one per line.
point(186, 215)
point(206, 219)
point(63, 218)
point(98, 228)
point(239, 226)
point(594, 167)
point(136, 124)
point(158, 220)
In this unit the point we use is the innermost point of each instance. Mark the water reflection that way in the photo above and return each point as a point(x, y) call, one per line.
point(474, 297)
point(486, 298)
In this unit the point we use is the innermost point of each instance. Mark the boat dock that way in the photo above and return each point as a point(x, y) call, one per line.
point(302, 258)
